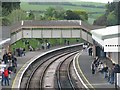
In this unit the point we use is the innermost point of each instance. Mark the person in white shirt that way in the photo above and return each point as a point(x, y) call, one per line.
point(2, 66)
point(100, 67)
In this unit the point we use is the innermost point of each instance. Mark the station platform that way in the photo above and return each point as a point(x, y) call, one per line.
point(96, 81)
point(84, 61)
point(21, 61)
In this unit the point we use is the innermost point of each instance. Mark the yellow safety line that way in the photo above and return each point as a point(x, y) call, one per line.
point(17, 75)
point(83, 74)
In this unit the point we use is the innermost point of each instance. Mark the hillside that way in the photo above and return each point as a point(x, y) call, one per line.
point(93, 9)
point(88, 6)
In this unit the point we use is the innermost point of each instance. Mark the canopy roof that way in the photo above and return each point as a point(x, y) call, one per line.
point(5, 41)
point(106, 33)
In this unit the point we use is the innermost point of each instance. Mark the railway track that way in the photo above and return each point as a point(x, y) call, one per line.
point(37, 79)
point(63, 74)
point(43, 75)
point(49, 75)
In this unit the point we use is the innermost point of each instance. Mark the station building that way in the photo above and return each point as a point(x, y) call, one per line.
point(4, 40)
point(106, 44)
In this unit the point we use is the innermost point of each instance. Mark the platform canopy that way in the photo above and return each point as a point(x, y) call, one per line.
point(4, 41)
point(108, 37)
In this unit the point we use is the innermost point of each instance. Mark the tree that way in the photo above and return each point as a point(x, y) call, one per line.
point(118, 14)
point(83, 14)
point(17, 15)
point(101, 21)
point(7, 7)
point(59, 12)
point(111, 16)
point(55, 13)
point(31, 16)
point(111, 19)
point(70, 15)
point(5, 21)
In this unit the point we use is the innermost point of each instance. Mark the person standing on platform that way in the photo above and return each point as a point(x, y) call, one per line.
point(5, 58)
point(24, 51)
point(2, 66)
point(9, 70)
point(6, 76)
point(100, 67)
point(93, 68)
point(68, 42)
point(90, 51)
point(105, 71)
point(112, 74)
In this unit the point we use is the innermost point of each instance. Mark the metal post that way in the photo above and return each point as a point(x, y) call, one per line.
point(115, 81)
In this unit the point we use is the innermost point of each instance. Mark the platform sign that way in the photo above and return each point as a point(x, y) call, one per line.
point(112, 45)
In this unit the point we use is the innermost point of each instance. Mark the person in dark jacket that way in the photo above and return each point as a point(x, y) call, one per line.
point(105, 71)
point(9, 71)
point(90, 51)
point(93, 68)
point(5, 58)
point(112, 74)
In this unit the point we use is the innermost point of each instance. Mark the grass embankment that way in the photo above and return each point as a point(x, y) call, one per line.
point(36, 43)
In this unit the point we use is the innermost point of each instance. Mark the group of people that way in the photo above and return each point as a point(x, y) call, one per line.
point(46, 45)
point(109, 72)
point(97, 66)
point(66, 42)
point(19, 52)
point(7, 66)
point(88, 48)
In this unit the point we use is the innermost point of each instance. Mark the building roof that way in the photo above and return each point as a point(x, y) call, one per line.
point(106, 33)
point(53, 24)
point(107, 38)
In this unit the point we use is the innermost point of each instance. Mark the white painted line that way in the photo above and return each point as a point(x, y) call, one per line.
point(78, 73)
point(99, 84)
point(82, 72)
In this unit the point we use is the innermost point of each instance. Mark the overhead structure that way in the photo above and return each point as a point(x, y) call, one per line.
point(52, 29)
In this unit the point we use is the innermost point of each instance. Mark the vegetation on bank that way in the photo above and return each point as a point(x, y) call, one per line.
point(37, 43)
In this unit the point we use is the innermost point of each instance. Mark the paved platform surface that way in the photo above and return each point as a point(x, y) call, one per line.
point(97, 80)
point(22, 60)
